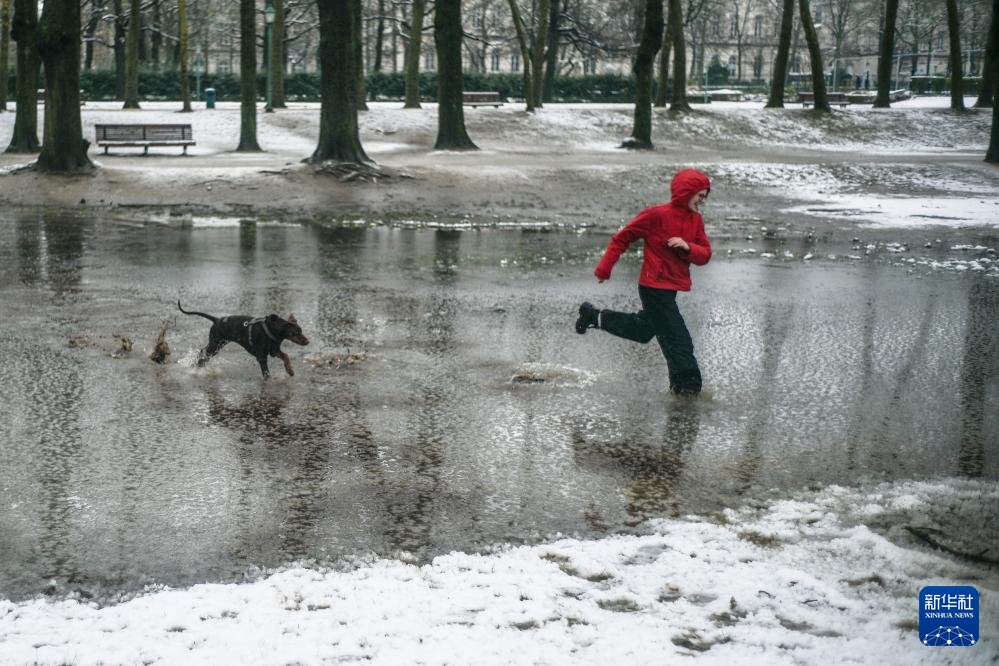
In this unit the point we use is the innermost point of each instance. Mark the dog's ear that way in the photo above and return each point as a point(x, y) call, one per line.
point(272, 318)
point(292, 319)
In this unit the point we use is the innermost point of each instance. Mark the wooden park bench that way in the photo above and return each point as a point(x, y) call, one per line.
point(807, 99)
point(144, 135)
point(482, 99)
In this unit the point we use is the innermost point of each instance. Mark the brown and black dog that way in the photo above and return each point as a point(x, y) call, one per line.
point(261, 336)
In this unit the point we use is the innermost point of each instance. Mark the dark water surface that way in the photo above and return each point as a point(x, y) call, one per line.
point(444, 402)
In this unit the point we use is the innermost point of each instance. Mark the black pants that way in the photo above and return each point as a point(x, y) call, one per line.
point(660, 318)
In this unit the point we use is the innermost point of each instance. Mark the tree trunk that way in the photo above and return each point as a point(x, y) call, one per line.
point(4, 51)
point(451, 133)
point(119, 50)
point(361, 100)
point(956, 76)
point(538, 66)
point(779, 75)
point(376, 66)
point(132, 58)
point(339, 139)
point(680, 59)
point(185, 83)
point(887, 51)
point(525, 55)
point(815, 56)
point(551, 55)
point(662, 84)
point(65, 149)
point(24, 30)
point(278, 51)
point(992, 53)
point(89, 34)
point(990, 77)
point(247, 77)
point(156, 36)
point(648, 47)
point(413, 53)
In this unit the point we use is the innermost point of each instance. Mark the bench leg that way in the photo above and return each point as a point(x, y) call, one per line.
point(185, 150)
point(105, 150)
point(145, 150)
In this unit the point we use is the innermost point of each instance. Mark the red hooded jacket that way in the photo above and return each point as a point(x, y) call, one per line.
point(665, 267)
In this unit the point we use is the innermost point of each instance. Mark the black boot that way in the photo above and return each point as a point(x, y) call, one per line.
point(589, 317)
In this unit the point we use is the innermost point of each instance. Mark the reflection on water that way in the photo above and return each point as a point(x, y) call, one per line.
point(473, 414)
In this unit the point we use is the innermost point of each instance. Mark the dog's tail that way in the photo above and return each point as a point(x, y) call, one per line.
point(200, 314)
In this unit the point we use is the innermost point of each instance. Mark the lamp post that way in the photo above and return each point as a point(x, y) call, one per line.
point(269, 20)
point(197, 72)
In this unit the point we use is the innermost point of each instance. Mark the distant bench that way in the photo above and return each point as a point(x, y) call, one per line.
point(807, 99)
point(144, 135)
point(482, 99)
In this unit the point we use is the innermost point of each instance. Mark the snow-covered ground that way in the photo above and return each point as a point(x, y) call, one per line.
point(824, 577)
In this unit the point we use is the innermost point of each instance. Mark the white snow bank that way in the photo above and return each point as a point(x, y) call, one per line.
point(793, 581)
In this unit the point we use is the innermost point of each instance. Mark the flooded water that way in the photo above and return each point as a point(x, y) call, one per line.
point(444, 401)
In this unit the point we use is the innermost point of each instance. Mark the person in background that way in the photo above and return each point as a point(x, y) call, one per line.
point(674, 239)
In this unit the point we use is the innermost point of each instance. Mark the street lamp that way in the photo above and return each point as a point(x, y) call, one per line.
point(269, 20)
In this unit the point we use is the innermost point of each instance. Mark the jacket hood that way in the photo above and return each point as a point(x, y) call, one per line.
point(687, 183)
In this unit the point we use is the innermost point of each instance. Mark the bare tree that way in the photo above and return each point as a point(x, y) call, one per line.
point(779, 74)
point(679, 59)
point(815, 55)
point(843, 20)
point(278, 50)
point(648, 46)
point(451, 133)
point(662, 83)
point(132, 57)
point(339, 33)
point(540, 37)
point(413, 55)
point(992, 53)
point(4, 51)
point(247, 77)
point(956, 77)
point(525, 54)
point(65, 149)
point(24, 30)
point(185, 85)
point(887, 48)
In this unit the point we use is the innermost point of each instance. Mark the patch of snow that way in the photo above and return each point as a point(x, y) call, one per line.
point(799, 580)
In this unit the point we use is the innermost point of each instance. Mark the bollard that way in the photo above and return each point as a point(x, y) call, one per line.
point(209, 98)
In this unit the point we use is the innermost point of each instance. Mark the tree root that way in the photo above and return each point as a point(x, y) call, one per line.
point(347, 172)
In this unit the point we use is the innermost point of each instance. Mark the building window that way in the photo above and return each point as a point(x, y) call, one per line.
point(716, 29)
point(428, 60)
point(515, 62)
point(758, 65)
point(758, 27)
point(940, 40)
point(818, 12)
point(733, 30)
point(496, 61)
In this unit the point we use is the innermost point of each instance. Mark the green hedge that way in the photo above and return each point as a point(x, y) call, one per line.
point(99, 85)
point(939, 85)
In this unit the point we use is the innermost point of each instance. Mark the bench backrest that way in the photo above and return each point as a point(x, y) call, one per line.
point(144, 132)
point(481, 97)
